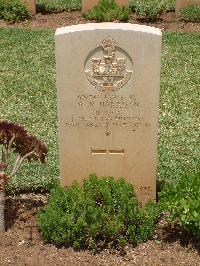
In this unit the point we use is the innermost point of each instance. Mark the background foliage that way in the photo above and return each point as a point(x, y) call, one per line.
point(151, 9)
point(107, 10)
point(59, 5)
point(191, 13)
point(13, 10)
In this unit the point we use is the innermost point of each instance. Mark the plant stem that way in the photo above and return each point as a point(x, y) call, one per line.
point(2, 208)
point(10, 146)
point(16, 163)
point(3, 155)
point(19, 161)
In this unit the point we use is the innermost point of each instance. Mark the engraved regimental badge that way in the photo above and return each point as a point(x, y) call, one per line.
point(108, 73)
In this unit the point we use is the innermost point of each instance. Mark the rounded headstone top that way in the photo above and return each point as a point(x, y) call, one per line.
point(108, 26)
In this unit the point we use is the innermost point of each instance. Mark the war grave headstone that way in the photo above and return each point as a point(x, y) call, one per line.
point(89, 4)
point(180, 4)
point(108, 79)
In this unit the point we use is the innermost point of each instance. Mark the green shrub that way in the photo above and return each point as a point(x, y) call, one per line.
point(191, 13)
point(167, 5)
point(148, 9)
point(182, 200)
point(107, 10)
point(50, 7)
point(102, 213)
point(13, 10)
point(58, 5)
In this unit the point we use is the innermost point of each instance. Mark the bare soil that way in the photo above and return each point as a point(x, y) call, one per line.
point(22, 243)
point(167, 21)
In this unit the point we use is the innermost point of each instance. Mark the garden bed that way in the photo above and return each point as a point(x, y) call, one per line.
point(22, 243)
point(167, 21)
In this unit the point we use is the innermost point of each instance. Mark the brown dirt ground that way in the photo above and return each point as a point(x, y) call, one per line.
point(22, 244)
point(167, 21)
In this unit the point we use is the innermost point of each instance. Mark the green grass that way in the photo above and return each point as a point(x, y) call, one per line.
point(28, 94)
point(191, 13)
point(179, 105)
point(28, 97)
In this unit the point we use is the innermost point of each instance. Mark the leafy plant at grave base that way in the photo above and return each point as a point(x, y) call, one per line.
point(107, 10)
point(182, 200)
point(14, 138)
point(103, 213)
point(169, 5)
point(191, 13)
point(13, 10)
point(148, 9)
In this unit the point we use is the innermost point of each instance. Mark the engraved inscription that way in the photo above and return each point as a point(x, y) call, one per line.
point(108, 73)
point(101, 121)
point(107, 111)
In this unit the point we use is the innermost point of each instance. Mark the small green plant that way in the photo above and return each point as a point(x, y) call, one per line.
point(102, 213)
point(107, 10)
point(166, 5)
point(182, 200)
point(55, 6)
point(191, 13)
point(148, 9)
point(13, 10)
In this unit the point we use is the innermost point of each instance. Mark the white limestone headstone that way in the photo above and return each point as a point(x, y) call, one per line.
point(108, 80)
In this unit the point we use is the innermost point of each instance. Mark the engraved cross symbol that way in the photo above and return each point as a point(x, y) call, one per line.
point(107, 152)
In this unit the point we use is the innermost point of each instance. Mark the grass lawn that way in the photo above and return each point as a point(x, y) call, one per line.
point(179, 105)
point(28, 97)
